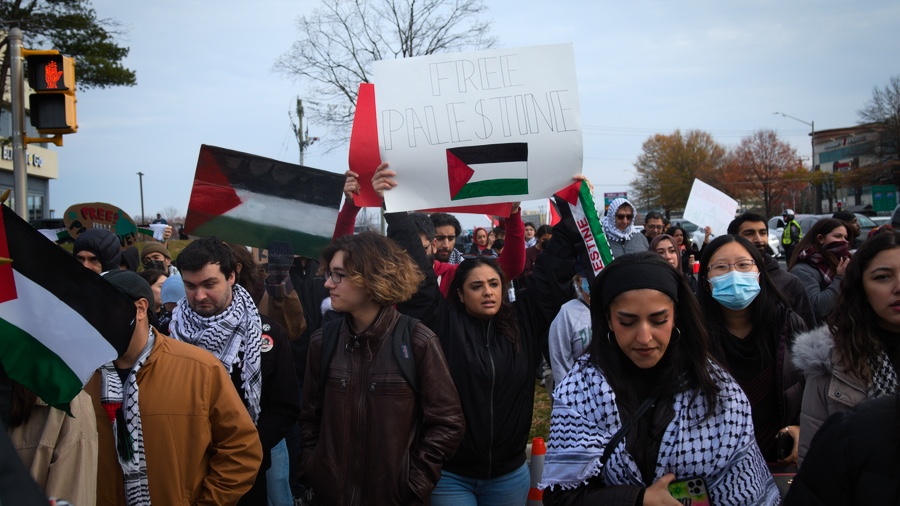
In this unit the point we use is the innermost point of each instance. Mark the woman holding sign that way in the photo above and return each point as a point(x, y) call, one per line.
point(492, 346)
point(648, 417)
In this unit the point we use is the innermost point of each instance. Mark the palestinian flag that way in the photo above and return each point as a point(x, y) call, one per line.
point(576, 208)
point(251, 200)
point(59, 321)
point(488, 170)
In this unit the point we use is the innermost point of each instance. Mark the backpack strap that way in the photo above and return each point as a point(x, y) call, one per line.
point(620, 434)
point(403, 351)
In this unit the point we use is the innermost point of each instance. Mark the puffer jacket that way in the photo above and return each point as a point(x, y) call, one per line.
point(367, 437)
point(829, 388)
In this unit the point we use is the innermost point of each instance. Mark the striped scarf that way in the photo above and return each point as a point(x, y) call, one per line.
point(121, 404)
point(233, 336)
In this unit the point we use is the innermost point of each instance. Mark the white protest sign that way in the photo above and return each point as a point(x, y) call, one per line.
point(707, 206)
point(479, 127)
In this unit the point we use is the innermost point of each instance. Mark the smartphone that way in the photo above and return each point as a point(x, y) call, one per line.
point(784, 445)
point(690, 492)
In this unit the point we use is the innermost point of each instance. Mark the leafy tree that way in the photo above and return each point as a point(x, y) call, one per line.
point(884, 110)
point(765, 169)
point(668, 165)
point(73, 28)
point(340, 40)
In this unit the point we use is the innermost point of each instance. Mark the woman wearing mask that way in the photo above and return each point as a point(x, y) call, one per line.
point(618, 224)
point(820, 261)
point(857, 355)
point(665, 246)
point(751, 329)
point(648, 405)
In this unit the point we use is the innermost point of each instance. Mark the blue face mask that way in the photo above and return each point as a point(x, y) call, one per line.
point(585, 286)
point(735, 290)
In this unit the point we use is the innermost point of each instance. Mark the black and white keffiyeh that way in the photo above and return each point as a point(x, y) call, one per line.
point(234, 335)
point(121, 403)
point(884, 378)
point(722, 449)
point(609, 221)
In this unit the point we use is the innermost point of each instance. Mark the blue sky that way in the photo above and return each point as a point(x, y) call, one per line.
point(205, 76)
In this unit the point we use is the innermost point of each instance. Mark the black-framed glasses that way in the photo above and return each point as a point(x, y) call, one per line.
point(442, 238)
point(723, 267)
point(336, 277)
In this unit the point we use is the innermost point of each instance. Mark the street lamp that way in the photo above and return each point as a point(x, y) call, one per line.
point(141, 182)
point(812, 155)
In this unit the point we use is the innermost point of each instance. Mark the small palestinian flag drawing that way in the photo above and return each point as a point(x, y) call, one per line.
point(488, 170)
point(59, 321)
point(251, 200)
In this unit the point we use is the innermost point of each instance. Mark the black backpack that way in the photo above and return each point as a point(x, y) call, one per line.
point(403, 352)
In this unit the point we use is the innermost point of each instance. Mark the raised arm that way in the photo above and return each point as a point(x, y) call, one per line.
point(512, 260)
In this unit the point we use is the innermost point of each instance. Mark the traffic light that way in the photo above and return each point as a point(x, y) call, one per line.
point(52, 105)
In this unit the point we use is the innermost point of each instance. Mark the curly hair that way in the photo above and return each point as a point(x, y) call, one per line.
point(685, 236)
point(822, 227)
point(855, 327)
point(386, 272)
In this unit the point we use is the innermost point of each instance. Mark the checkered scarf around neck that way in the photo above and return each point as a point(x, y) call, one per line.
point(609, 221)
point(884, 377)
point(721, 449)
point(813, 257)
point(234, 335)
point(121, 404)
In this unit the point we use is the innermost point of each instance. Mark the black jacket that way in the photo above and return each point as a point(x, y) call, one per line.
point(494, 377)
point(793, 290)
point(853, 459)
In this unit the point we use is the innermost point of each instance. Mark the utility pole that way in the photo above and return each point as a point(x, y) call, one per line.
point(304, 141)
point(17, 97)
point(141, 182)
point(812, 156)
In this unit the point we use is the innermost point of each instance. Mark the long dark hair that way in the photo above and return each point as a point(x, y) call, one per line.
point(505, 319)
point(822, 227)
point(687, 356)
point(855, 326)
point(767, 309)
point(685, 236)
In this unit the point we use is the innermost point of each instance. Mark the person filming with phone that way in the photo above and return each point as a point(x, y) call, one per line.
point(647, 417)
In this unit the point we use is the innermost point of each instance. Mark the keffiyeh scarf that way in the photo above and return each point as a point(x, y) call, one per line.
point(609, 221)
point(121, 404)
point(234, 335)
point(884, 378)
point(721, 449)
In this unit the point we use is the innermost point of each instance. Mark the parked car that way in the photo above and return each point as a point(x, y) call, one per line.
point(697, 234)
point(865, 224)
point(880, 220)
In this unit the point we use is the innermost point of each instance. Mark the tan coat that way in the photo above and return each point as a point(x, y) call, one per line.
point(60, 451)
point(200, 444)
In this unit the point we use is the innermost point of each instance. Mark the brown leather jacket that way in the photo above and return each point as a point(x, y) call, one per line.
point(368, 437)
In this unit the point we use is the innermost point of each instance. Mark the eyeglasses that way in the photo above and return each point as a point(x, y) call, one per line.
point(624, 217)
point(442, 238)
point(337, 277)
point(653, 227)
point(723, 267)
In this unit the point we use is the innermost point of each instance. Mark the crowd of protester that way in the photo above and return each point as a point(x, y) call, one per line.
point(399, 369)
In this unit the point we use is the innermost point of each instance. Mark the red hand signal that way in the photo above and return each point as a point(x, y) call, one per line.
point(52, 75)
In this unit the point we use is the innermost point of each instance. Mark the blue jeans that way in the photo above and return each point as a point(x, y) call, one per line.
point(277, 477)
point(511, 489)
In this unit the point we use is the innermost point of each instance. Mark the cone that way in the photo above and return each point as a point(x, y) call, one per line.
point(538, 450)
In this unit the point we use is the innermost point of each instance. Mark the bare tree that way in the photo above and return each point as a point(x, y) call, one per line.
point(884, 110)
point(340, 40)
point(172, 215)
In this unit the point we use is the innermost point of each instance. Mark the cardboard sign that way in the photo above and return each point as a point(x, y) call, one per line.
point(707, 206)
point(479, 127)
point(80, 217)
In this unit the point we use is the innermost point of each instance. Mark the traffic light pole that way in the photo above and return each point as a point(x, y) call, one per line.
point(17, 96)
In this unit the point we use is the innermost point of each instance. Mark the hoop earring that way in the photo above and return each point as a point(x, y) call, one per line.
point(608, 333)
point(679, 335)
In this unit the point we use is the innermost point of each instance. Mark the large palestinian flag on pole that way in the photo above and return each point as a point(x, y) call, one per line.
point(59, 321)
point(576, 208)
point(251, 200)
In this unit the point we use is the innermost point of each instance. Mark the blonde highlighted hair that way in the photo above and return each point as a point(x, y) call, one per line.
point(383, 269)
